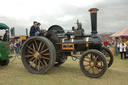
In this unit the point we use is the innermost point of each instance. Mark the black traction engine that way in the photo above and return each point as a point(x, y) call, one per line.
point(51, 49)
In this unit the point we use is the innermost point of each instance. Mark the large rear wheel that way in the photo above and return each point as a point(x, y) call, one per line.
point(93, 63)
point(38, 55)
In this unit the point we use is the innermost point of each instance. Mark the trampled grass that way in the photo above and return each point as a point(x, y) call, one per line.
point(67, 74)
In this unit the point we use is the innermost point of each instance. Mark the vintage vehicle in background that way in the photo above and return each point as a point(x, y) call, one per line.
point(40, 53)
point(4, 47)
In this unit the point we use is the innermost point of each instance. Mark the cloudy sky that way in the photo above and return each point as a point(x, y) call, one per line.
point(112, 14)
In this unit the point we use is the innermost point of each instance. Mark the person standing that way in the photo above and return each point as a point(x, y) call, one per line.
point(33, 29)
point(6, 36)
point(106, 43)
point(123, 50)
point(11, 47)
point(117, 47)
point(15, 47)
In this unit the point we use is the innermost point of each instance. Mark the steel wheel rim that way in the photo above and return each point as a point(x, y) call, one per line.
point(93, 63)
point(37, 54)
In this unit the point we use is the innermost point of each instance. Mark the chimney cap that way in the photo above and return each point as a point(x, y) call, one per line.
point(93, 10)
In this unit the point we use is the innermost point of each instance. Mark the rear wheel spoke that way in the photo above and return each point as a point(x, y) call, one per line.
point(45, 58)
point(39, 46)
point(45, 62)
point(28, 55)
point(41, 63)
point(46, 54)
point(43, 46)
point(38, 65)
point(36, 44)
point(43, 51)
point(31, 59)
point(30, 52)
point(31, 48)
point(34, 61)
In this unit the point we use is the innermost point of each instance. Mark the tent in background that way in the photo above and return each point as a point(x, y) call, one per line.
point(3, 26)
point(122, 33)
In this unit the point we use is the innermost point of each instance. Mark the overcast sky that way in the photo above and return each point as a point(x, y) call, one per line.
point(112, 14)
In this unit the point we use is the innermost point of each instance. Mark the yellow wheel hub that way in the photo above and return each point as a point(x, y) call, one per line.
point(92, 64)
point(36, 55)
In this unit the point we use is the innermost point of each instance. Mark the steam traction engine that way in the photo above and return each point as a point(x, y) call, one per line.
point(41, 53)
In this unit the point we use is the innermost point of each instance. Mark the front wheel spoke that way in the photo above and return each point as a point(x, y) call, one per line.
point(89, 69)
point(92, 56)
point(43, 51)
point(86, 61)
point(88, 57)
point(106, 54)
point(96, 58)
point(93, 70)
point(101, 64)
point(100, 67)
point(97, 69)
point(86, 65)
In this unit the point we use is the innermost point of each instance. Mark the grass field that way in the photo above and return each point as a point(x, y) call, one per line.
point(67, 74)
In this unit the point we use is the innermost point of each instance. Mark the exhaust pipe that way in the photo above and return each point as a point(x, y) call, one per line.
point(93, 13)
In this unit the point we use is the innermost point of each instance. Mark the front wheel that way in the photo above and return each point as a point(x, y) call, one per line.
point(93, 63)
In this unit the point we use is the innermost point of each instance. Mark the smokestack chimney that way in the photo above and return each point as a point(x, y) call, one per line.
point(93, 13)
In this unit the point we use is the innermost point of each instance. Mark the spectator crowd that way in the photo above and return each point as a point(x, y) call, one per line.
point(117, 47)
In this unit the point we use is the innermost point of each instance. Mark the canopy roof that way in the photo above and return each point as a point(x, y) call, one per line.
point(3, 26)
point(123, 32)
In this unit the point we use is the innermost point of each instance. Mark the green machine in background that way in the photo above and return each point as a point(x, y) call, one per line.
point(4, 47)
